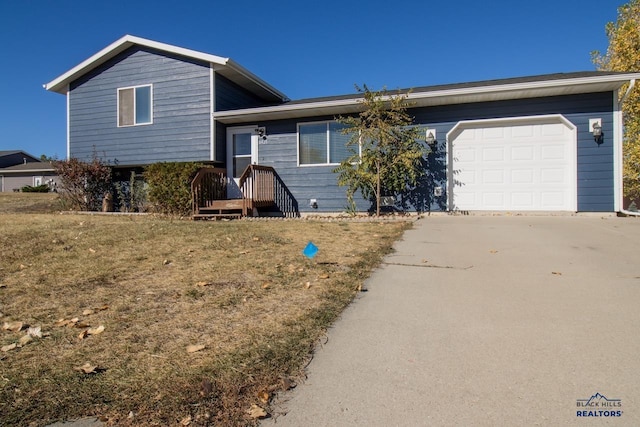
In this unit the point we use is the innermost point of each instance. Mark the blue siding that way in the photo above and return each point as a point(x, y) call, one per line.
point(181, 110)
point(230, 96)
point(594, 168)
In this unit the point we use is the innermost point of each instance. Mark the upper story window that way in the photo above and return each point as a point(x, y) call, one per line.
point(322, 143)
point(135, 106)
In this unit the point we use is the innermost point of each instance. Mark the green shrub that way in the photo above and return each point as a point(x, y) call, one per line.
point(44, 188)
point(170, 186)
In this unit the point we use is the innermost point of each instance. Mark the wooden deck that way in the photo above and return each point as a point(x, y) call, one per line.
point(209, 192)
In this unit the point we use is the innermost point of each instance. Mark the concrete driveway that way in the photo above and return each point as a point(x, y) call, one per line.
point(485, 321)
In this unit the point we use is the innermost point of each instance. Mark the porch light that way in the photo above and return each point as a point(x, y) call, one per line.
point(597, 132)
point(430, 138)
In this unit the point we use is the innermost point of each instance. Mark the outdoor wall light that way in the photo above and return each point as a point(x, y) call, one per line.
point(430, 138)
point(596, 129)
point(262, 132)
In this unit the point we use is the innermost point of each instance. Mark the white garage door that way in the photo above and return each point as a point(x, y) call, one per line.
point(519, 165)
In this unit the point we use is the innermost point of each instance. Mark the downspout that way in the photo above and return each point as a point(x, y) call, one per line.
point(632, 83)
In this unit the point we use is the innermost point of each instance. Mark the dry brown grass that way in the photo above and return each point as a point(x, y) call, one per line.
point(240, 288)
point(29, 202)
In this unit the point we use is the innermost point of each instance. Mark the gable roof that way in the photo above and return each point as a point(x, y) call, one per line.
point(10, 152)
point(224, 66)
point(448, 94)
point(31, 158)
point(28, 167)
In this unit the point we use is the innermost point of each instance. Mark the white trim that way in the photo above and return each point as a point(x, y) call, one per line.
point(510, 121)
point(68, 123)
point(618, 194)
point(120, 46)
point(212, 109)
point(478, 93)
point(1, 183)
point(328, 152)
point(135, 100)
point(254, 144)
point(60, 83)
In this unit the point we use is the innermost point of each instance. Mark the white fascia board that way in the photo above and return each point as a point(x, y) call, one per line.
point(439, 97)
point(59, 84)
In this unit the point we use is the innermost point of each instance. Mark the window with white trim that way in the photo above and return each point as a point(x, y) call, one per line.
point(322, 143)
point(135, 106)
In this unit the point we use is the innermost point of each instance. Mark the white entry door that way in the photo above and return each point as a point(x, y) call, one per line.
point(242, 151)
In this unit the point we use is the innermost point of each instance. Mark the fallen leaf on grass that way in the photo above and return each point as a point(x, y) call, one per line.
point(204, 284)
point(2, 285)
point(186, 421)
point(82, 335)
point(256, 412)
point(35, 332)
point(88, 312)
point(8, 347)
point(61, 322)
point(287, 384)
point(93, 251)
point(96, 331)
point(166, 262)
point(266, 285)
point(102, 308)
point(24, 340)
point(324, 276)
point(263, 396)
point(194, 348)
point(307, 285)
point(243, 252)
point(12, 326)
point(87, 368)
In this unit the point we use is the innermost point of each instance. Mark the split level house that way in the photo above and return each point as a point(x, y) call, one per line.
point(539, 143)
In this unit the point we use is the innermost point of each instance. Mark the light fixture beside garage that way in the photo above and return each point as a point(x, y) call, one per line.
point(596, 128)
point(430, 138)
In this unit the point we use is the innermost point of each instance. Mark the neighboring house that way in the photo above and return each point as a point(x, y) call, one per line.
point(15, 157)
point(519, 144)
point(13, 178)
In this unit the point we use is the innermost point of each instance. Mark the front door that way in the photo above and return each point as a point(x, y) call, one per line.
point(242, 151)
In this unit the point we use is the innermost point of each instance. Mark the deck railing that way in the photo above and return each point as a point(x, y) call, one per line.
point(208, 185)
point(209, 191)
point(257, 184)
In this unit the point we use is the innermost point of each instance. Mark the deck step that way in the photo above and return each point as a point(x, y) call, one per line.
point(217, 216)
point(230, 204)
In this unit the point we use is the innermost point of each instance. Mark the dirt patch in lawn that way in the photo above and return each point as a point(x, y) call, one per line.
point(152, 321)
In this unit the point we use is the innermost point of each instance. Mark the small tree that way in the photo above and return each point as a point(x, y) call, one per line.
point(83, 185)
point(623, 54)
point(386, 154)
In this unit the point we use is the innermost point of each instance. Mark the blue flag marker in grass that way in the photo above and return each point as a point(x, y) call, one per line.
point(310, 250)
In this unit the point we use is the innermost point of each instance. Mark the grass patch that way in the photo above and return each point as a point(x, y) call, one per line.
point(240, 288)
point(29, 203)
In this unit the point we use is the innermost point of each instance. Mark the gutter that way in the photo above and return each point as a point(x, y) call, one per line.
point(632, 84)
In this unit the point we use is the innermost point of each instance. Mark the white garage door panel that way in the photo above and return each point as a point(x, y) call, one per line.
point(514, 167)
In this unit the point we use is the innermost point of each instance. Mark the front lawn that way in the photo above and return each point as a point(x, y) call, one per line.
point(154, 321)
